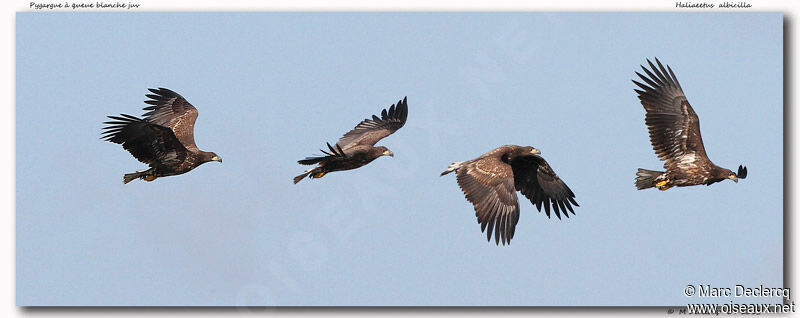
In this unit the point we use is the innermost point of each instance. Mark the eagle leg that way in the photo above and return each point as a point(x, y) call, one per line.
point(319, 174)
point(664, 185)
point(147, 175)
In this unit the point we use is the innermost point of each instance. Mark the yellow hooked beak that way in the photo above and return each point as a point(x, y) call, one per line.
point(216, 158)
point(388, 153)
point(734, 178)
point(535, 151)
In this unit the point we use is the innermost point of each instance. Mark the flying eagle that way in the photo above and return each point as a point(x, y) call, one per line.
point(163, 139)
point(489, 182)
point(675, 135)
point(356, 147)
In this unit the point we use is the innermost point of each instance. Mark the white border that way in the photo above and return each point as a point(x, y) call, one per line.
point(7, 128)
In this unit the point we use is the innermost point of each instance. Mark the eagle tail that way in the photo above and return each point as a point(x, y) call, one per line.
point(646, 178)
point(315, 171)
point(141, 174)
point(300, 177)
point(453, 167)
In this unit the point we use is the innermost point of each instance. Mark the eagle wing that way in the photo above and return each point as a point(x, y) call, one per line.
point(673, 125)
point(540, 184)
point(170, 109)
point(370, 131)
point(149, 143)
point(335, 152)
point(488, 183)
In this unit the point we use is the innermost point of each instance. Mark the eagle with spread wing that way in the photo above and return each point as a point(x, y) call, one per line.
point(163, 139)
point(489, 182)
point(357, 147)
point(675, 135)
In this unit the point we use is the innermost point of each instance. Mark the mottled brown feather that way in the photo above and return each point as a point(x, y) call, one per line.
point(171, 110)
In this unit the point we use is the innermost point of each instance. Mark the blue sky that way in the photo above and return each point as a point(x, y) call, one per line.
point(272, 88)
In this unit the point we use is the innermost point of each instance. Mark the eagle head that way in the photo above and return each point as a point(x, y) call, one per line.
point(733, 176)
point(383, 151)
point(210, 156)
point(525, 152)
point(513, 152)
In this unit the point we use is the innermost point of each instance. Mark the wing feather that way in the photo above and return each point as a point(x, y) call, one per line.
point(488, 184)
point(334, 153)
point(673, 125)
point(149, 143)
point(370, 131)
point(539, 183)
point(170, 109)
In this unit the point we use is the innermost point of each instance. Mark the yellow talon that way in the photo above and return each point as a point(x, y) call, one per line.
point(319, 174)
point(664, 185)
point(150, 177)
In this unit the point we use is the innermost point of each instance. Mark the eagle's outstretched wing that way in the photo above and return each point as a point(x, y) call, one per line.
point(673, 125)
point(170, 109)
point(370, 131)
point(149, 143)
point(488, 184)
point(540, 184)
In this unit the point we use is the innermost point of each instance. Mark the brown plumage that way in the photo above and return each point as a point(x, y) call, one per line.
point(357, 147)
point(163, 139)
point(489, 182)
point(675, 135)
